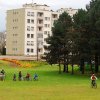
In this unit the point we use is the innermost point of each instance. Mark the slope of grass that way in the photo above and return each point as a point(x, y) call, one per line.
point(50, 86)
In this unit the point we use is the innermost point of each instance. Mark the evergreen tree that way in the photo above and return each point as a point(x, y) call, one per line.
point(93, 10)
point(59, 40)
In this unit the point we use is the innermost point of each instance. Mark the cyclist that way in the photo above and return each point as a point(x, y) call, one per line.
point(93, 78)
point(35, 76)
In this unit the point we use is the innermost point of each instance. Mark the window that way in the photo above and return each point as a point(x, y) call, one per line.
point(40, 14)
point(32, 28)
point(32, 50)
point(48, 32)
point(32, 35)
point(28, 35)
point(32, 13)
point(48, 25)
point(47, 18)
point(32, 21)
point(28, 43)
point(39, 28)
point(45, 25)
point(28, 20)
point(32, 44)
point(48, 35)
point(28, 13)
point(40, 21)
point(15, 34)
point(28, 50)
point(54, 16)
point(28, 28)
point(45, 32)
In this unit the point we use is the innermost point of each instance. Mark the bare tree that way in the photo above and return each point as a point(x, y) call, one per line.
point(2, 42)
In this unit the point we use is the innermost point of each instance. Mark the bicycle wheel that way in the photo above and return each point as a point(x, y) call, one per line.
point(95, 85)
point(91, 85)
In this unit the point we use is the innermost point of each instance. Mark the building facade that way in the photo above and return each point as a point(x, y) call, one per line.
point(28, 28)
point(70, 11)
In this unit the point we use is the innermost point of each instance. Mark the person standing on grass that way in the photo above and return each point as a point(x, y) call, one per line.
point(20, 76)
point(14, 77)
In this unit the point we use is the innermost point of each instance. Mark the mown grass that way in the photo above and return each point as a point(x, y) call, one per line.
point(50, 86)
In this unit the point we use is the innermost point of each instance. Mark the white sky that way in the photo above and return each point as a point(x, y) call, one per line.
point(54, 4)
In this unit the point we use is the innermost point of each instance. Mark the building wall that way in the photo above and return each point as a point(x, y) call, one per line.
point(15, 32)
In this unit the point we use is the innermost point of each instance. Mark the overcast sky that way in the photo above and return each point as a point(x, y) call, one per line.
point(54, 4)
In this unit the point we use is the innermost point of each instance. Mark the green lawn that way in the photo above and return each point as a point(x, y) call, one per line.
point(50, 86)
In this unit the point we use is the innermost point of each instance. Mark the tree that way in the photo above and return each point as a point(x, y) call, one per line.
point(53, 51)
point(93, 10)
point(59, 40)
point(80, 24)
point(2, 43)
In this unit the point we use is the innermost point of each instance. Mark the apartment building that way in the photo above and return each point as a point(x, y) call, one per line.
point(28, 28)
point(70, 11)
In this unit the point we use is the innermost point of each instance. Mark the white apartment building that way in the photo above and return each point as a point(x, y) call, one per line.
point(70, 11)
point(28, 27)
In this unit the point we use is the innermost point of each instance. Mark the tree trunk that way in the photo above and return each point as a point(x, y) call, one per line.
point(96, 63)
point(64, 70)
point(72, 65)
point(91, 67)
point(64, 64)
point(82, 66)
point(67, 68)
point(72, 69)
point(59, 68)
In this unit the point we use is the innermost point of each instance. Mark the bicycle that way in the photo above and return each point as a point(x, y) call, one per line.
point(94, 84)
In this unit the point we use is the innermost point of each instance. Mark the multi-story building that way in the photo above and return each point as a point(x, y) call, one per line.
point(70, 11)
point(28, 28)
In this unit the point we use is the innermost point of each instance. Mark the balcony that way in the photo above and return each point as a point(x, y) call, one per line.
point(40, 15)
point(54, 16)
point(40, 29)
point(40, 22)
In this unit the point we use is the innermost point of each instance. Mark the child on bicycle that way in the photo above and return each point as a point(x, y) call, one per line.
point(93, 78)
point(35, 76)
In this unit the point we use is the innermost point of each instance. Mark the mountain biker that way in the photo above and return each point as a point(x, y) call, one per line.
point(93, 78)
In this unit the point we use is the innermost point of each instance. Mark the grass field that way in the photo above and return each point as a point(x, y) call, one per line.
point(50, 86)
